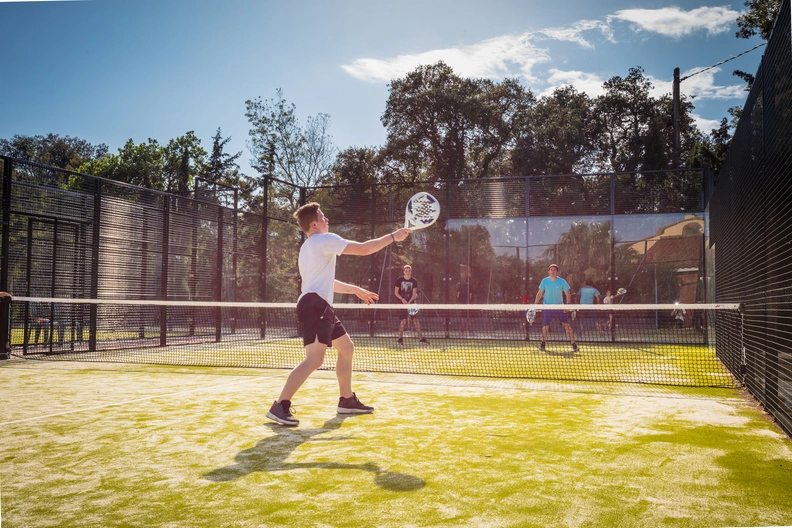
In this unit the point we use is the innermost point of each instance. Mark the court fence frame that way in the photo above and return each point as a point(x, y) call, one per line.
point(751, 230)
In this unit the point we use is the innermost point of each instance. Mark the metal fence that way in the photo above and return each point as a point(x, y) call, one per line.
point(751, 231)
point(70, 235)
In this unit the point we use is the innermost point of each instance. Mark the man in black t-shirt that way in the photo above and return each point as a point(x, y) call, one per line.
point(406, 291)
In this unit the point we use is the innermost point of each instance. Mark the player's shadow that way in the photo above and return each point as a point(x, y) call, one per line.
point(270, 455)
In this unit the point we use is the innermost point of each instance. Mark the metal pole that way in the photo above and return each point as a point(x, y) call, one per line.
point(219, 273)
point(5, 245)
point(164, 276)
point(5, 326)
point(676, 116)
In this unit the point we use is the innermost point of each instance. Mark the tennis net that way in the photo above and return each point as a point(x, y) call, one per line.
point(652, 344)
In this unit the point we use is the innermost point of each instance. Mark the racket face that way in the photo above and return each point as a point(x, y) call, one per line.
point(530, 316)
point(412, 311)
point(621, 291)
point(422, 210)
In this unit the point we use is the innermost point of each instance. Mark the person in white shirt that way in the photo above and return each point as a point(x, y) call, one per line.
point(320, 327)
point(608, 299)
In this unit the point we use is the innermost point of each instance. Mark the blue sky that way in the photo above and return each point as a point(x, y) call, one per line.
point(112, 70)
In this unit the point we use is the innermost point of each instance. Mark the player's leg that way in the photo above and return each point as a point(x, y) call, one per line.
point(346, 349)
point(421, 339)
point(402, 324)
point(348, 403)
point(314, 357)
point(281, 410)
point(570, 334)
point(545, 332)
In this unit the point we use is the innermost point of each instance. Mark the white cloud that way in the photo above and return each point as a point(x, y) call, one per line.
point(699, 87)
point(575, 32)
point(674, 22)
point(702, 86)
point(588, 83)
point(519, 55)
point(493, 58)
point(705, 125)
point(490, 59)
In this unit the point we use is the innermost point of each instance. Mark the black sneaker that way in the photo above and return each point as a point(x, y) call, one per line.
point(423, 341)
point(282, 413)
point(400, 342)
point(542, 346)
point(575, 347)
point(353, 406)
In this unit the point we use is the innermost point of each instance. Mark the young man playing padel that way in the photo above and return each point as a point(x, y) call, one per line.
point(406, 291)
point(320, 327)
point(552, 289)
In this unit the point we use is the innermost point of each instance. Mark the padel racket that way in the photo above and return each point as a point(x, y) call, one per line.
point(422, 210)
point(412, 310)
point(530, 316)
point(621, 291)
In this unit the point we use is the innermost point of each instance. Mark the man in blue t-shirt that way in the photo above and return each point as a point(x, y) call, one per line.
point(588, 295)
point(552, 290)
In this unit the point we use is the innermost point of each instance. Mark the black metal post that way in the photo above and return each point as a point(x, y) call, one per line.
point(5, 244)
point(164, 276)
point(96, 239)
point(218, 312)
point(5, 326)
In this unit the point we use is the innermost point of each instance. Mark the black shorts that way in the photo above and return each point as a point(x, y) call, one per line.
point(317, 319)
point(406, 315)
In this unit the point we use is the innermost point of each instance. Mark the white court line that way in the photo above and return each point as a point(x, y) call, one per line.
point(116, 404)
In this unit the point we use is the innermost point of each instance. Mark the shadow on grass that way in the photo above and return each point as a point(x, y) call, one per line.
point(270, 455)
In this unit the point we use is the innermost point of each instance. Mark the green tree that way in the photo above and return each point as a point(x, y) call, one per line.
point(222, 171)
point(222, 167)
point(134, 164)
point(184, 159)
point(626, 112)
point(428, 120)
point(284, 150)
point(501, 110)
point(443, 127)
point(560, 136)
point(759, 18)
point(62, 152)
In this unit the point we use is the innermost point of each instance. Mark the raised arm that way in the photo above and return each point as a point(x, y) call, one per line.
point(375, 244)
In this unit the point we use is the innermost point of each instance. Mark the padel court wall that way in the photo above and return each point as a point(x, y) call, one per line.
point(751, 230)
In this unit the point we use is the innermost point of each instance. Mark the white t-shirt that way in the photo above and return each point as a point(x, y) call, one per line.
point(317, 263)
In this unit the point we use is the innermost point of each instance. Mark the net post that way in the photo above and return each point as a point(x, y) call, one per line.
point(5, 325)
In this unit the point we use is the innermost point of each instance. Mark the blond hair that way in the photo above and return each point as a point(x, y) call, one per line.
point(306, 214)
